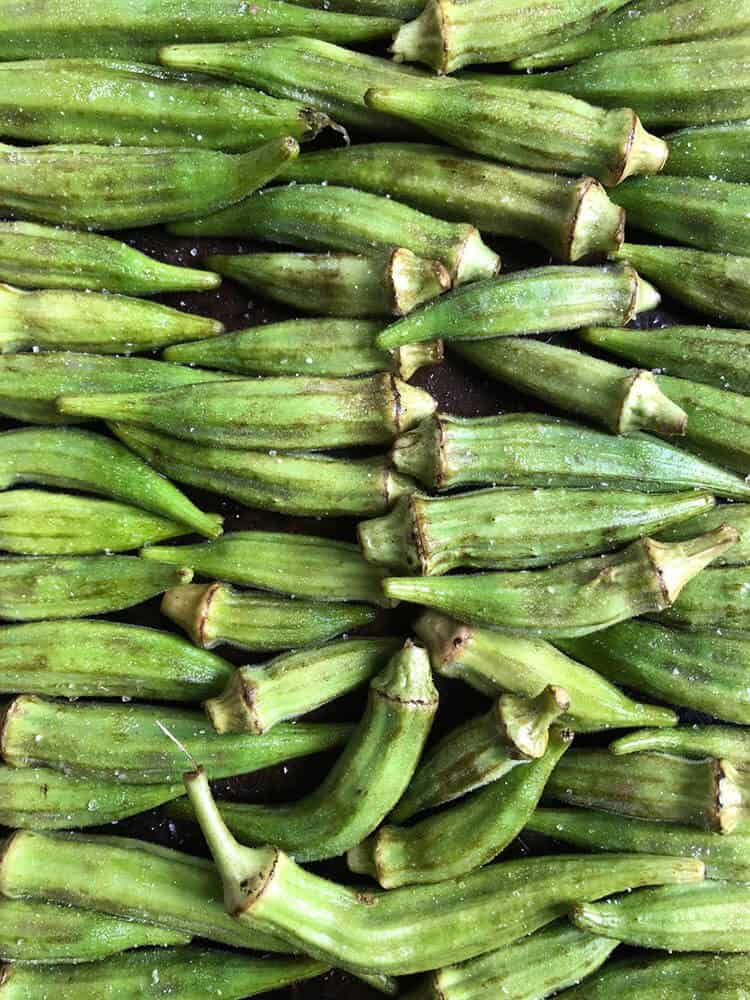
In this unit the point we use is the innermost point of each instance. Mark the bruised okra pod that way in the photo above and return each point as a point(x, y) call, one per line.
point(214, 613)
point(571, 599)
point(337, 347)
point(290, 483)
point(517, 528)
point(736, 515)
point(709, 151)
point(319, 215)
point(257, 698)
point(86, 739)
point(492, 663)
point(99, 659)
point(728, 742)
point(722, 977)
point(34, 256)
point(289, 413)
point(718, 599)
point(622, 400)
point(391, 283)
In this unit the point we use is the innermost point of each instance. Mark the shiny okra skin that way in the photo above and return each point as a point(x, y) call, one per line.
point(736, 515)
point(101, 659)
point(215, 613)
point(570, 217)
point(723, 977)
point(719, 599)
point(728, 742)
point(709, 151)
point(257, 698)
point(122, 743)
point(517, 528)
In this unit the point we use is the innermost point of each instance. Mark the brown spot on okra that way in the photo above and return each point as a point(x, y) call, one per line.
point(203, 612)
point(366, 898)
point(255, 894)
point(440, 470)
point(397, 407)
point(418, 535)
point(627, 149)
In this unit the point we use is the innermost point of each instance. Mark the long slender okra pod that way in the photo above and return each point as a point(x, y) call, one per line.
point(528, 449)
point(290, 483)
point(318, 215)
point(257, 698)
point(728, 742)
point(571, 599)
point(719, 599)
point(492, 663)
point(390, 283)
point(516, 528)
point(570, 217)
point(622, 400)
point(336, 347)
point(35, 256)
point(736, 515)
point(99, 659)
point(720, 976)
point(707, 151)
point(291, 413)
point(215, 613)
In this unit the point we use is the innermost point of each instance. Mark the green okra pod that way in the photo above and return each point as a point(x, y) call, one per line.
point(571, 599)
point(462, 838)
point(622, 400)
point(517, 528)
point(101, 659)
point(719, 599)
point(728, 742)
point(302, 483)
point(257, 698)
point(214, 613)
point(492, 663)
point(708, 151)
point(335, 347)
point(720, 976)
point(390, 283)
point(286, 412)
point(35, 256)
point(736, 515)
point(300, 565)
point(529, 449)
point(538, 130)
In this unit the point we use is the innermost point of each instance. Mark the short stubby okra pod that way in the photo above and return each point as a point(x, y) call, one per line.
point(570, 217)
point(722, 977)
point(303, 483)
point(92, 463)
point(33, 588)
point(735, 514)
point(728, 742)
point(100, 659)
point(707, 794)
point(718, 599)
point(286, 412)
point(89, 739)
point(34, 256)
point(214, 613)
point(571, 599)
point(326, 216)
point(516, 528)
point(300, 565)
point(707, 151)
point(542, 131)
point(529, 449)
point(622, 400)
point(258, 697)
point(492, 663)
point(337, 347)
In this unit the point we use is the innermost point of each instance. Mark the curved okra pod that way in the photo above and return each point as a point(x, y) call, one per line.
point(719, 599)
point(707, 151)
point(257, 698)
point(492, 663)
point(722, 977)
point(214, 613)
point(391, 283)
point(571, 599)
point(728, 742)
point(736, 515)
point(516, 528)
point(570, 217)
point(100, 659)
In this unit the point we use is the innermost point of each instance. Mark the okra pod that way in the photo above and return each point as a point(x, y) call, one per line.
point(718, 600)
point(257, 698)
point(33, 588)
point(35, 256)
point(337, 347)
point(462, 838)
point(214, 613)
point(571, 599)
point(123, 742)
point(290, 483)
point(517, 528)
point(123, 187)
point(728, 742)
point(722, 977)
point(538, 130)
point(706, 794)
point(707, 151)
point(100, 659)
point(289, 413)
point(622, 400)
point(322, 216)
point(390, 283)
point(736, 515)
point(528, 449)
point(570, 217)
point(492, 663)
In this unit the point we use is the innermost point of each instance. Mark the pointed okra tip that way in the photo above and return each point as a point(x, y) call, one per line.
point(407, 678)
point(189, 607)
point(676, 563)
point(525, 722)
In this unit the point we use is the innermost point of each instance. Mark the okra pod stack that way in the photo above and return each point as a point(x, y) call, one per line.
point(719, 976)
point(710, 151)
